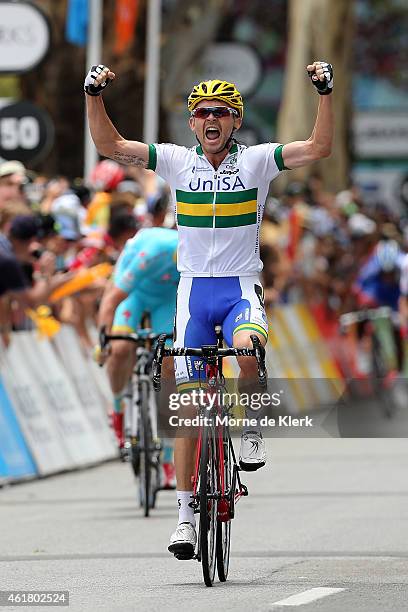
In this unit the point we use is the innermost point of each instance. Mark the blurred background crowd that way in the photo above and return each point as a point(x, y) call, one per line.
point(53, 230)
point(65, 220)
point(313, 242)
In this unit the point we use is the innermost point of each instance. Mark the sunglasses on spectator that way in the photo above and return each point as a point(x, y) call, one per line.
point(203, 112)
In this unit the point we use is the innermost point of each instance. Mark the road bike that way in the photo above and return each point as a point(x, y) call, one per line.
point(217, 484)
point(142, 444)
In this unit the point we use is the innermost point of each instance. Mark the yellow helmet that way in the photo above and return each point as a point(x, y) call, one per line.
point(216, 90)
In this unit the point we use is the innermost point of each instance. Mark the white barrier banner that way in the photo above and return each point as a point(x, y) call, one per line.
point(77, 367)
point(63, 400)
point(99, 374)
point(33, 411)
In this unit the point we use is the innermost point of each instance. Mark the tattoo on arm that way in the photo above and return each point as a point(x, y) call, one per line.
point(131, 160)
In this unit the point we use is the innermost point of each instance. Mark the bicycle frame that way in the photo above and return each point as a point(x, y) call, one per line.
point(213, 497)
point(142, 443)
point(141, 374)
point(144, 340)
point(222, 436)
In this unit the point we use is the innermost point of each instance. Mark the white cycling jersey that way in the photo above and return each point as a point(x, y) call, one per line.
point(219, 212)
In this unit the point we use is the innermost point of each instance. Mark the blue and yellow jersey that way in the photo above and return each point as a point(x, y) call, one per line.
point(148, 262)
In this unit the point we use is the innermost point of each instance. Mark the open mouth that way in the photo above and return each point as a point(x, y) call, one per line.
point(212, 133)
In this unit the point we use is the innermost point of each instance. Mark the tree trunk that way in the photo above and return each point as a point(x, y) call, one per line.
point(318, 30)
point(188, 31)
point(57, 86)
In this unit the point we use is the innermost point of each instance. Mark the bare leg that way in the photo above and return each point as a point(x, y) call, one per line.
point(184, 456)
point(248, 375)
point(252, 452)
point(120, 365)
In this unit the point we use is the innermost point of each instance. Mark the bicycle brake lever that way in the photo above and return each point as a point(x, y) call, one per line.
point(157, 363)
point(260, 359)
point(262, 376)
point(102, 337)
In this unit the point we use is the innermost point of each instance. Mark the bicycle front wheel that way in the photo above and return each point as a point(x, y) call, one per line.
point(223, 539)
point(146, 469)
point(208, 505)
point(379, 372)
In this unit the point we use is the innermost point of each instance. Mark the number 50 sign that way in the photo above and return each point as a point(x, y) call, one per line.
point(26, 132)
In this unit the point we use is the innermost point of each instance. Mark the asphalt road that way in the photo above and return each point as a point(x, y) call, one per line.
point(324, 529)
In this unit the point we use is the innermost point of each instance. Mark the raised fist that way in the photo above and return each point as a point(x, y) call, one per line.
point(321, 74)
point(97, 79)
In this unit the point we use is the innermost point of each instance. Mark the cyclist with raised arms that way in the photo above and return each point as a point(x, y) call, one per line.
point(219, 188)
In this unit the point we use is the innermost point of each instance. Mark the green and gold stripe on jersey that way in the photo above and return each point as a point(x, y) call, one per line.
point(231, 208)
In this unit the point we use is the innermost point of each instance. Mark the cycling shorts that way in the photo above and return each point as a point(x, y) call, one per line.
point(129, 312)
point(236, 303)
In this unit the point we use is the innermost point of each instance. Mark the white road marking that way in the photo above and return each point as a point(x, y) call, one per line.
point(307, 596)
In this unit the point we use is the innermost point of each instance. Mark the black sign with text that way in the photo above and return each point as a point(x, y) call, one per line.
point(26, 132)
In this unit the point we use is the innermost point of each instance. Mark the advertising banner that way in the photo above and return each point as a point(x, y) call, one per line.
point(68, 416)
point(99, 374)
point(31, 406)
point(15, 458)
point(76, 365)
point(25, 36)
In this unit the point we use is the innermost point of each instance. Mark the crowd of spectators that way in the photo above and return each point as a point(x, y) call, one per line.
point(53, 229)
point(313, 243)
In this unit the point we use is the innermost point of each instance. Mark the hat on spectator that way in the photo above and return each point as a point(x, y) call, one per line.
point(345, 202)
point(12, 167)
point(390, 230)
point(106, 175)
point(66, 204)
point(67, 227)
point(129, 186)
point(360, 225)
point(24, 227)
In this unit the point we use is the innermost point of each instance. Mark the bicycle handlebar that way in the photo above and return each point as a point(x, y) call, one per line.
point(209, 351)
point(368, 314)
point(137, 338)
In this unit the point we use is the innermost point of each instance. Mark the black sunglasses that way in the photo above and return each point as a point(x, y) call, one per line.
point(216, 111)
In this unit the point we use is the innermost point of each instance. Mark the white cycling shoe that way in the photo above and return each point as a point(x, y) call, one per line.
point(252, 455)
point(183, 541)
